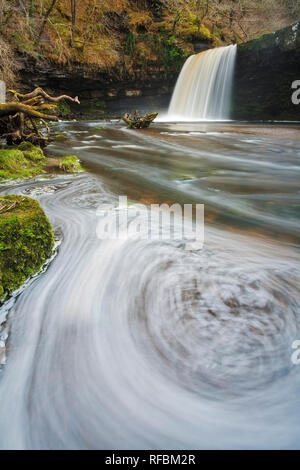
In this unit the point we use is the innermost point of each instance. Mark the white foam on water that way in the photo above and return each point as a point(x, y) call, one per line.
point(203, 89)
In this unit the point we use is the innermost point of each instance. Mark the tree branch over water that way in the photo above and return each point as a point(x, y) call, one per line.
point(20, 119)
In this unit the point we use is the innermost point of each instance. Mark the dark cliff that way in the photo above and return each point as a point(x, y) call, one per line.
point(101, 93)
point(265, 70)
point(264, 73)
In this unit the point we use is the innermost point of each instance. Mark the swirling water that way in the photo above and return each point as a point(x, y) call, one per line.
point(144, 344)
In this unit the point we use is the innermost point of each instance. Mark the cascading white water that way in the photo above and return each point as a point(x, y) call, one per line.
point(203, 89)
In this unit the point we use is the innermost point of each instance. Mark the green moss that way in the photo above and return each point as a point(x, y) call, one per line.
point(205, 33)
point(70, 164)
point(172, 55)
point(64, 109)
point(284, 40)
point(26, 241)
point(31, 152)
point(130, 44)
point(21, 162)
point(24, 43)
point(100, 128)
point(195, 31)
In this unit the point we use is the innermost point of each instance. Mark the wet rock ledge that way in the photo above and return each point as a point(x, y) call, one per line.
point(265, 70)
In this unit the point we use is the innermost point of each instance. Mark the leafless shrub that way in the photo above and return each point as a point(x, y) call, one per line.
point(8, 66)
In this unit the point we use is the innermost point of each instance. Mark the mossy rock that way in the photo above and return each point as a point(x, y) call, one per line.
point(70, 164)
point(26, 241)
point(23, 161)
point(31, 152)
point(60, 136)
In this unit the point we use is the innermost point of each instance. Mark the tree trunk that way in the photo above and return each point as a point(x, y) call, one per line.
point(9, 109)
point(73, 27)
point(47, 14)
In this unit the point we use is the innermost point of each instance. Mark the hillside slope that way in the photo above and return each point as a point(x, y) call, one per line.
point(123, 37)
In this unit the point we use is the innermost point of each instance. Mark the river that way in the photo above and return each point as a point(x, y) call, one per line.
point(143, 344)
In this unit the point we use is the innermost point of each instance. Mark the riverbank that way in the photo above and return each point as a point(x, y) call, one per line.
point(22, 161)
point(26, 236)
point(27, 160)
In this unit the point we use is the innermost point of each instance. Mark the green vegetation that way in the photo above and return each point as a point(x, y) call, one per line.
point(109, 36)
point(130, 44)
point(162, 49)
point(172, 55)
point(22, 161)
point(64, 109)
point(70, 164)
point(26, 241)
point(60, 136)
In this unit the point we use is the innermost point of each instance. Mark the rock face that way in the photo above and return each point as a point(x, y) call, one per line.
point(101, 93)
point(265, 70)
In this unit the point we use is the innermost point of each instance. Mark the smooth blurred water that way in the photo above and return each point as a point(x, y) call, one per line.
point(144, 344)
point(204, 86)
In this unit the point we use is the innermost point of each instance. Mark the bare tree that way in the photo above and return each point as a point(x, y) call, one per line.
point(7, 9)
point(73, 27)
point(46, 16)
point(8, 67)
point(202, 7)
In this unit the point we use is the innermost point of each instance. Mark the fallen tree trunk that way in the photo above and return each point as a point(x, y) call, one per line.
point(8, 109)
point(20, 119)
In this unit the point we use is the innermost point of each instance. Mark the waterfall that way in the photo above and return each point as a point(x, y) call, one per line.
point(203, 89)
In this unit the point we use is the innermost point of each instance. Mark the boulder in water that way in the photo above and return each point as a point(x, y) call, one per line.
point(26, 241)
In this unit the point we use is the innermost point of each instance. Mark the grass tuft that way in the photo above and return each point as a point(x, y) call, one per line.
point(23, 161)
point(70, 164)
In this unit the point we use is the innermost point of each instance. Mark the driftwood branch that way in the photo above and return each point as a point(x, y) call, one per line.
point(39, 92)
point(137, 121)
point(20, 119)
